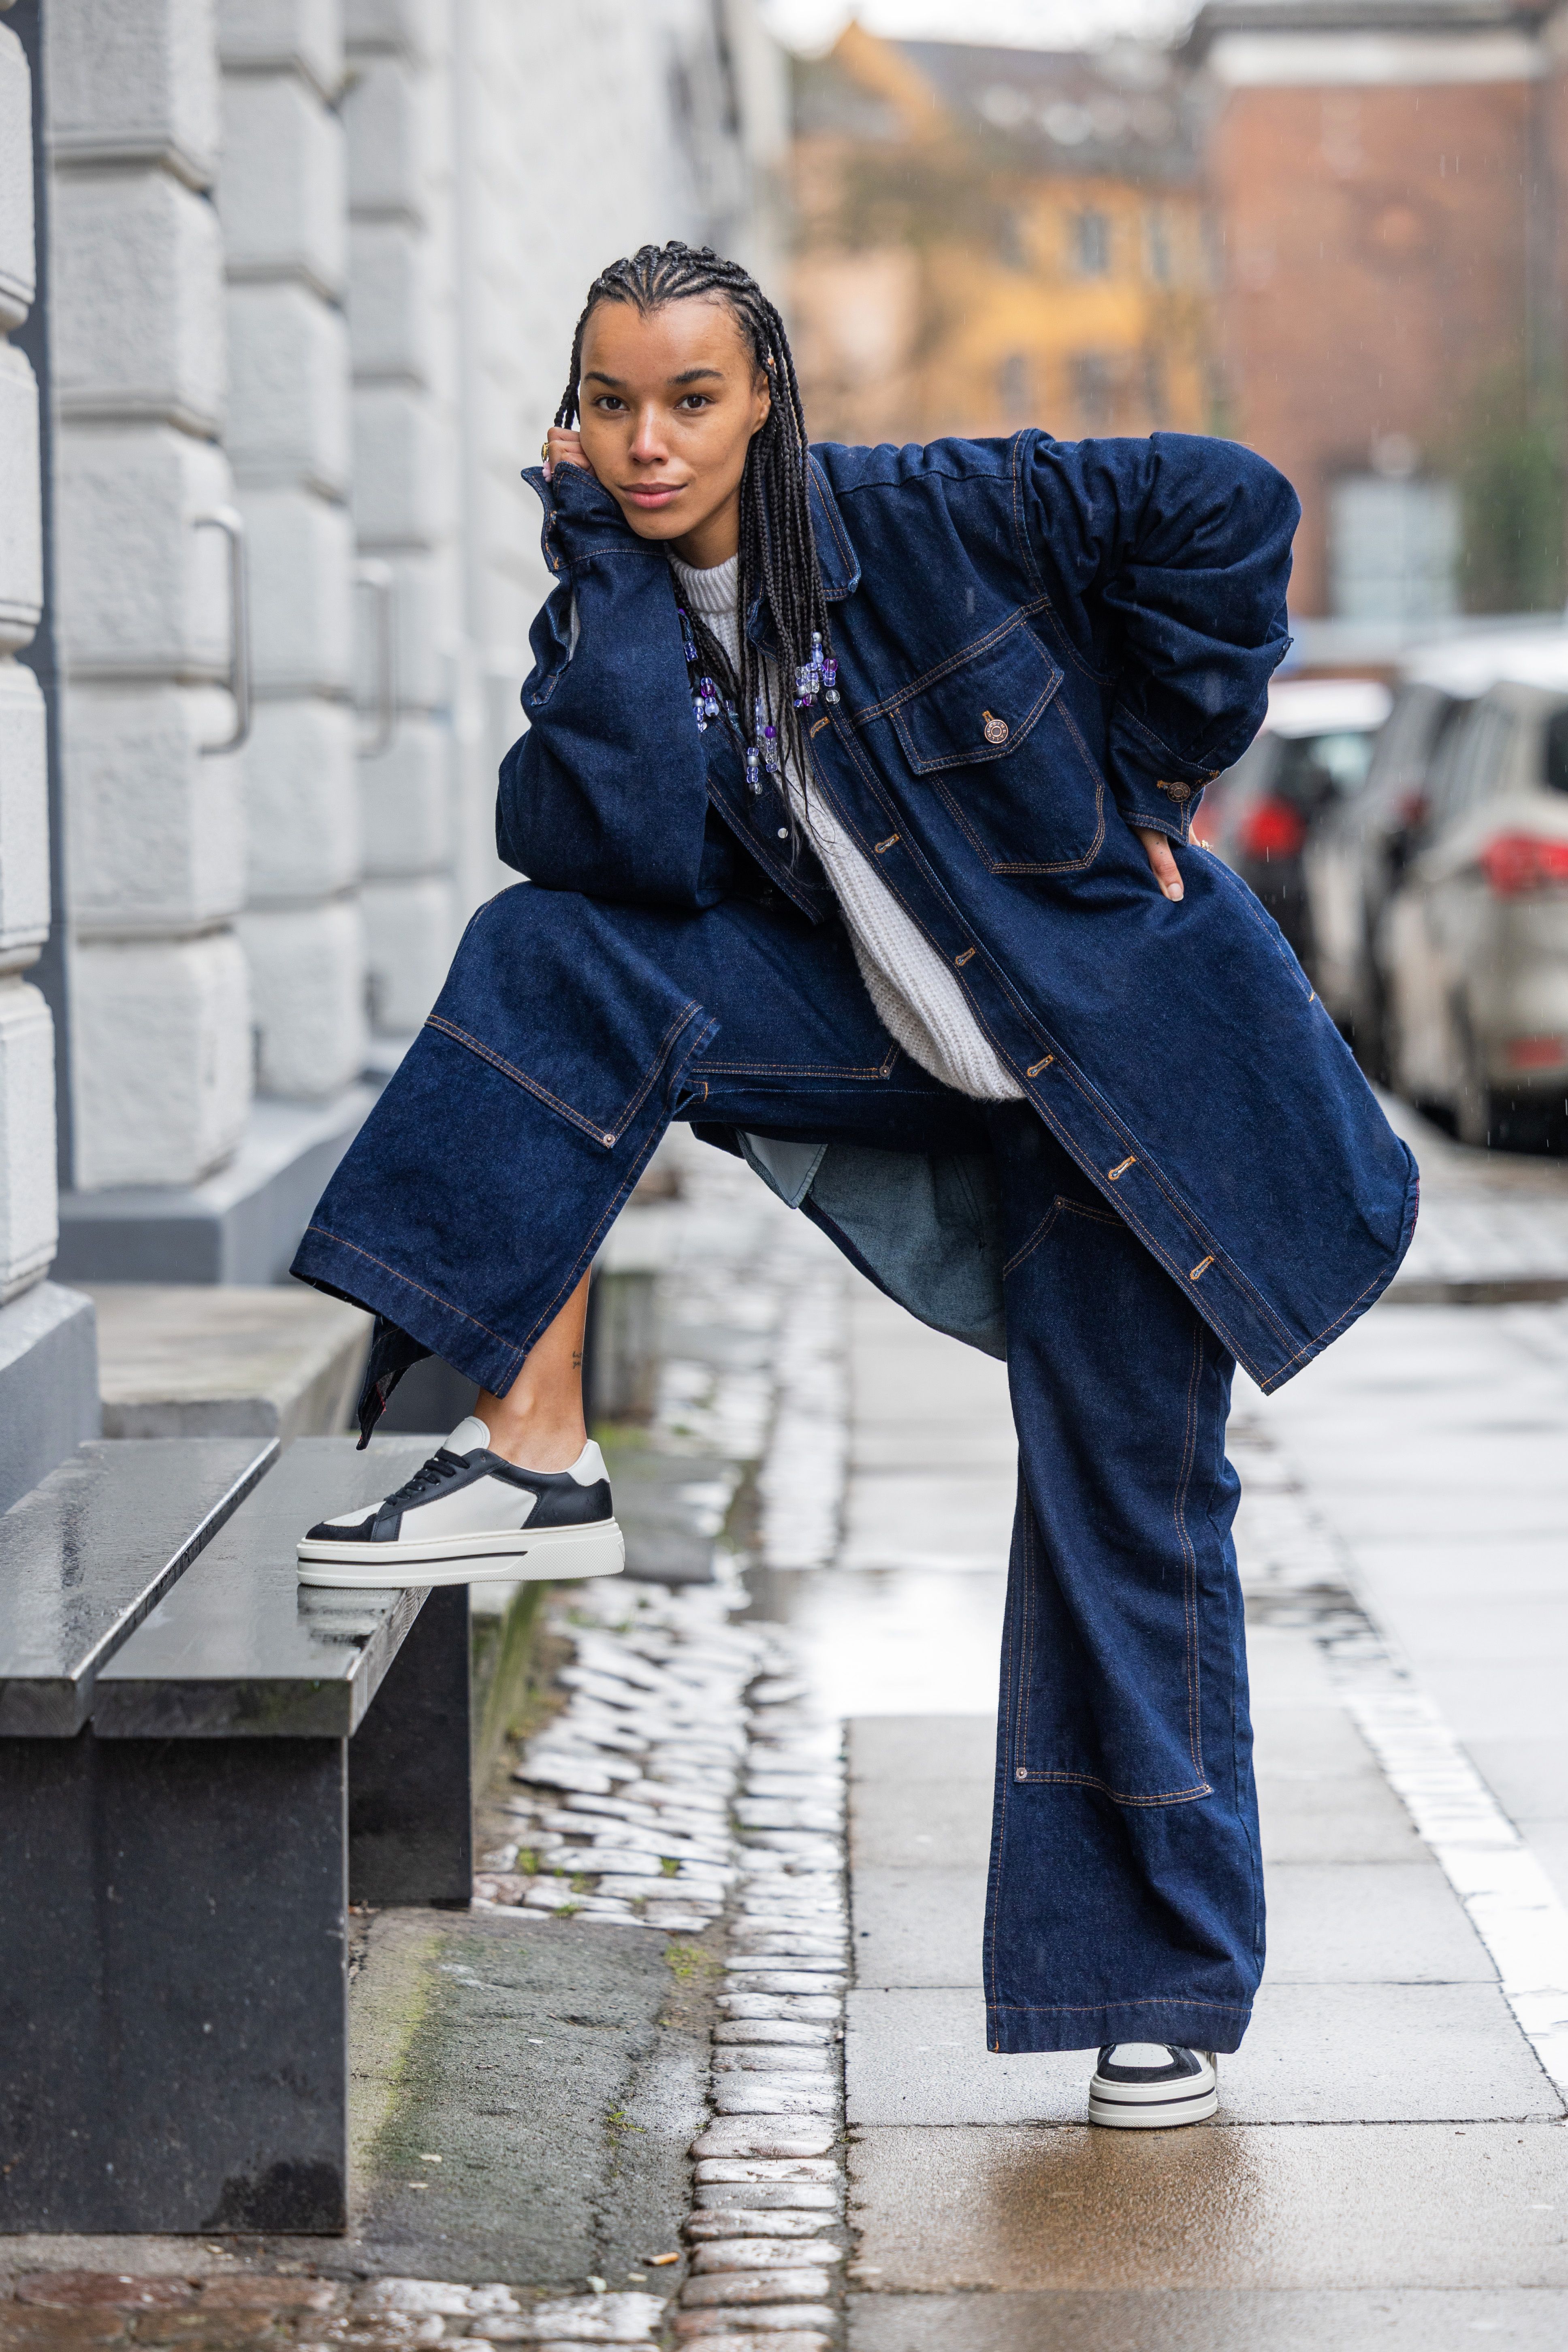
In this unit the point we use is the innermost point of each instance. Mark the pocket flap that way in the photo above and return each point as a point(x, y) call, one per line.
point(981, 706)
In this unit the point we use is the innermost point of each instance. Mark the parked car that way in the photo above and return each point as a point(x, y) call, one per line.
point(1474, 941)
point(1360, 848)
point(1313, 751)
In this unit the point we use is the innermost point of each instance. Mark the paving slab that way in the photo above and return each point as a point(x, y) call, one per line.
point(1329, 1817)
point(1308, 1743)
point(944, 1519)
point(945, 1821)
point(1285, 1669)
point(894, 1642)
point(1314, 2054)
point(1370, 1923)
point(1523, 2319)
point(1368, 2206)
point(1407, 1572)
point(918, 1927)
point(1527, 1774)
point(905, 1748)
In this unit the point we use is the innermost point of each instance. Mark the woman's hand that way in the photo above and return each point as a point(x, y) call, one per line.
point(1162, 865)
point(563, 446)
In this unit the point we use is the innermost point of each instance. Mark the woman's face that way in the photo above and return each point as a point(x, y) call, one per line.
point(667, 407)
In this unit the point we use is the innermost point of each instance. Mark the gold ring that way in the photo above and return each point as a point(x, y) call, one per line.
point(544, 450)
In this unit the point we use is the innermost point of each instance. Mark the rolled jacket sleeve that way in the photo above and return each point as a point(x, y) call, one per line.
point(1168, 560)
point(608, 791)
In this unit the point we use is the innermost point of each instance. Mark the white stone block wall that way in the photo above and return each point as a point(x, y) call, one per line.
point(683, 103)
point(283, 202)
point(405, 496)
point(27, 1220)
point(161, 1043)
point(320, 259)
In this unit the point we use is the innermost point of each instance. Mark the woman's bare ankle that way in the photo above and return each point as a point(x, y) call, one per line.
point(532, 1438)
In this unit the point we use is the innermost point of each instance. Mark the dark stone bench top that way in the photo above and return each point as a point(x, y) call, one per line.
point(240, 1648)
point(92, 1549)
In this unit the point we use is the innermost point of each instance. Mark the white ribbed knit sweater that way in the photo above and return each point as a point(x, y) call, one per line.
point(917, 997)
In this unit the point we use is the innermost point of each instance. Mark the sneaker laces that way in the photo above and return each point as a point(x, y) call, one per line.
point(434, 1473)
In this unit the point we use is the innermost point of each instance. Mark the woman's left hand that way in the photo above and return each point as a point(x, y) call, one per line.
point(563, 447)
point(1162, 863)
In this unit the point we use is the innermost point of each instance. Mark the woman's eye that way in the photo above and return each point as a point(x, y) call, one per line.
point(609, 402)
point(697, 400)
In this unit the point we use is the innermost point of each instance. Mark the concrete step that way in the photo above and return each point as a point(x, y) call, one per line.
point(193, 1359)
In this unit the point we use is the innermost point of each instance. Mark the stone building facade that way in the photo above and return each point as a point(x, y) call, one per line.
point(313, 266)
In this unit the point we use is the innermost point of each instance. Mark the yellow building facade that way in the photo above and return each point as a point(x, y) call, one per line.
point(996, 237)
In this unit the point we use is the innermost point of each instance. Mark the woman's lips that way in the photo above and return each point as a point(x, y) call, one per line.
point(653, 494)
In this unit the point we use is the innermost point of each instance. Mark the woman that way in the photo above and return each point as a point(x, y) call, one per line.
point(855, 807)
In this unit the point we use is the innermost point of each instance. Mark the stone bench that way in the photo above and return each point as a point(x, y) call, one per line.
point(202, 1763)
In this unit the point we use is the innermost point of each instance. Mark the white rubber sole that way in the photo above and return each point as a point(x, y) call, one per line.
point(547, 1555)
point(1151, 2106)
point(1163, 2115)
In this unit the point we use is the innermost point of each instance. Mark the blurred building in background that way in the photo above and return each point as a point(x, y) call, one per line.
point(994, 237)
point(290, 287)
point(1387, 182)
point(1337, 229)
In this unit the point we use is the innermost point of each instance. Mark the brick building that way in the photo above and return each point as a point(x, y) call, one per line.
point(313, 266)
point(992, 237)
point(1387, 183)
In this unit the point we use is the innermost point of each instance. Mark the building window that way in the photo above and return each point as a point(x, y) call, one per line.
point(1394, 549)
point(1092, 243)
point(1015, 388)
point(1091, 391)
point(1010, 249)
point(1154, 394)
point(1157, 245)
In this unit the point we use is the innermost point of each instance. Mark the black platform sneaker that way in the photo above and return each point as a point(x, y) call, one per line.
point(1149, 2086)
point(470, 1517)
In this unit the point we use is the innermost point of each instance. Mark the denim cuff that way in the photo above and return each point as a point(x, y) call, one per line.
point(1156, 787)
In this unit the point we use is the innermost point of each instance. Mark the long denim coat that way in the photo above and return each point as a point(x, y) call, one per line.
point(1041, 645)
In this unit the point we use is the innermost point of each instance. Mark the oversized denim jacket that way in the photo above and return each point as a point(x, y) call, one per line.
point(1041, 645)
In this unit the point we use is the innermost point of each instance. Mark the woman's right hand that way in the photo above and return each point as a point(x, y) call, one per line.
point(563, 446)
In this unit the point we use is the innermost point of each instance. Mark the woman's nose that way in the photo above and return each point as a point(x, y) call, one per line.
point(648, 441)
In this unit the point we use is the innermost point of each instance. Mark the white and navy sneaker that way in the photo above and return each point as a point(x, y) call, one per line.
point(1149, 2086)
point(470, 1517)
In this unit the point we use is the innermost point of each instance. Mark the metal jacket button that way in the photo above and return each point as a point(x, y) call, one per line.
point(996, 730)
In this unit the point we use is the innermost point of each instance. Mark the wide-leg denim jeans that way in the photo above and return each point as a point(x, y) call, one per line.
point(1126, 1898)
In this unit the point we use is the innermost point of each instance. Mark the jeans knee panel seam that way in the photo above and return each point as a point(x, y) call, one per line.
point(1051, 1778)
point(596, 1131)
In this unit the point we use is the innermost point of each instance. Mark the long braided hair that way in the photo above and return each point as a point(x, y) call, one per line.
point(777, 550)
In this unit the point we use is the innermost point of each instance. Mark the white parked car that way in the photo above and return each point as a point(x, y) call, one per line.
point(1474, 942)
point(1356, 856)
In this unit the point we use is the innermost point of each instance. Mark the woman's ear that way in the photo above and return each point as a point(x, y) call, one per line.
point(761, 389)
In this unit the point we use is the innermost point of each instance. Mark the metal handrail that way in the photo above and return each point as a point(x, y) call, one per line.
point(231, 522)
point(382, 582)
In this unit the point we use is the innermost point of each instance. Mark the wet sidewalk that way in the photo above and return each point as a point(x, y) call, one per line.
point(1390, 2162)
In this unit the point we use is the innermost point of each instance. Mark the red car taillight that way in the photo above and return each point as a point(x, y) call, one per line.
point(1272, 829)
point(1536, 1053)
point(1517, 861)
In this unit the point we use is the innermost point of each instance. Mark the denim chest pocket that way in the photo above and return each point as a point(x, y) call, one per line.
point(991, 732)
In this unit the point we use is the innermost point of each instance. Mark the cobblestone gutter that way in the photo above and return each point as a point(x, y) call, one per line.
point(688, 1778)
